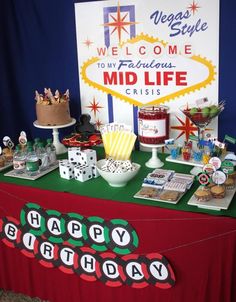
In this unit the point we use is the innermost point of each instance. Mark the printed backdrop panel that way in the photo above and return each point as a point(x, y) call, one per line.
point(132, 54)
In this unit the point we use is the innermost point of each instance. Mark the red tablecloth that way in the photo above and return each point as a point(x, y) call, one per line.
point(200, 248)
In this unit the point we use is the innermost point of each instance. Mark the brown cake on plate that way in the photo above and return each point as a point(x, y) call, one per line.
point(52, 110)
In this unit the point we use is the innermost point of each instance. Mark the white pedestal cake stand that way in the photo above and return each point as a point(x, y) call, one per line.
point(60, 148)
point(154, 161)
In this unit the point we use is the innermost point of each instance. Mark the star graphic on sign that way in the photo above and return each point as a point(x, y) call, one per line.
point(119, 23)
point(94, 106)
point(88, 42)
point(186, 128)
point(193, 7)
point(98, 123)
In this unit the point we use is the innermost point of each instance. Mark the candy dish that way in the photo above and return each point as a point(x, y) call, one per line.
point(117, 179)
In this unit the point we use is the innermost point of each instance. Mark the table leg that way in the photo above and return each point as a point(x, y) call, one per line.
point(60, 148)
point(154, 161)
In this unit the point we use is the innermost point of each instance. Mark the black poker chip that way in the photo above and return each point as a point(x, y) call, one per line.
point(120, 236)
point(93, 233)
point(32, 219)
point(64, 258)
point(132, 268)
point(109, 270)
point(9, 228)
point(158, 271)
point(44, 251)
point(54, 226)
point(85, 263)
point(72, 229)
point(25, 242)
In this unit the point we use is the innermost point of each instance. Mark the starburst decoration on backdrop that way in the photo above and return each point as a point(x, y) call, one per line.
point(193, 7)
point(186, 127)
point(94, 106)
point(88, 42)
point(98, 124)
point(119, 23)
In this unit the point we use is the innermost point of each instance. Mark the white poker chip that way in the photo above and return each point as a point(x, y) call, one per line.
point(218, 177)
point(216, 162)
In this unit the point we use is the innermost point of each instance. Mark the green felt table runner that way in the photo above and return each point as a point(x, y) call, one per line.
point(99, 188)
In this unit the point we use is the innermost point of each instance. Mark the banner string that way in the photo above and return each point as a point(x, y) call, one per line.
point(198, 241)
point(132, 220)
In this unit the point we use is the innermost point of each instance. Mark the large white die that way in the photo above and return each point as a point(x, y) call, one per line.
point(88, 157)
point(74, 155)
point(83, 173)
point(95, 171)
point(66, 169)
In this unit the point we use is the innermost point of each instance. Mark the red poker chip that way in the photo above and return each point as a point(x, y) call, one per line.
point(109, 270)
point(158, 271)
point(132, 268)
point(25, 242)
point(85, 260)
point(49, 248)
point(66, 251)
point(10, 238)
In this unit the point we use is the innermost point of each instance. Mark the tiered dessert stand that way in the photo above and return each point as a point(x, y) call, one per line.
point(60, 148)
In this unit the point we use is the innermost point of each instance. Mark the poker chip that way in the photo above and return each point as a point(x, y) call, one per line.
point(157, 271)
point(54, 226)
point(109, 270)
point(25, 242)
point(44, 251)
point(72, 229)
point(85, 260)
point(120, 237)
point(9, 228)
point(93, 233)
point(32, 219)
point(64, 258)
point(132, 270)
point(203, 179)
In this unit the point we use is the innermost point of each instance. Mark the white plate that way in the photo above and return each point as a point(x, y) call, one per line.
point(214, 203)
point(8, 165)
point(26, 176)
point(156, 198)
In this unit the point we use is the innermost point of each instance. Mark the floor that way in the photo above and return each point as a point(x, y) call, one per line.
point(8, 296)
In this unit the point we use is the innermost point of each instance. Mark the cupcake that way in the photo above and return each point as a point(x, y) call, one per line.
point(8, 153)
point(2, 161)
point(218, 191)
point(202, 194)
point(229, 183)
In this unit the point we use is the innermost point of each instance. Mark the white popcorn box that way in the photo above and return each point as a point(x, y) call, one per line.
point(66, 169)
point(88, 157)
point(74, 155)
point(95, 171)
point(83, 173)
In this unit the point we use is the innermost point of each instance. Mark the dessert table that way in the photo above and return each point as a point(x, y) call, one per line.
point(200, 244)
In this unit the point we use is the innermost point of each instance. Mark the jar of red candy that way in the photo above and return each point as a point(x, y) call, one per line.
point(153, 122)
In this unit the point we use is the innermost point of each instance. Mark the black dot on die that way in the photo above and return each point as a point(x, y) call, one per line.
point(89, 176)
point(78, 174)
point(64, 172)
point(91, 157)
point(72, 159)
point(94, 175)
point(77, 153)
point(70, 176)
point(70, 169)
point(84, 172)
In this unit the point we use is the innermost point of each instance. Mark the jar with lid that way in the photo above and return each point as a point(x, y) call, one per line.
point(153, 124)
